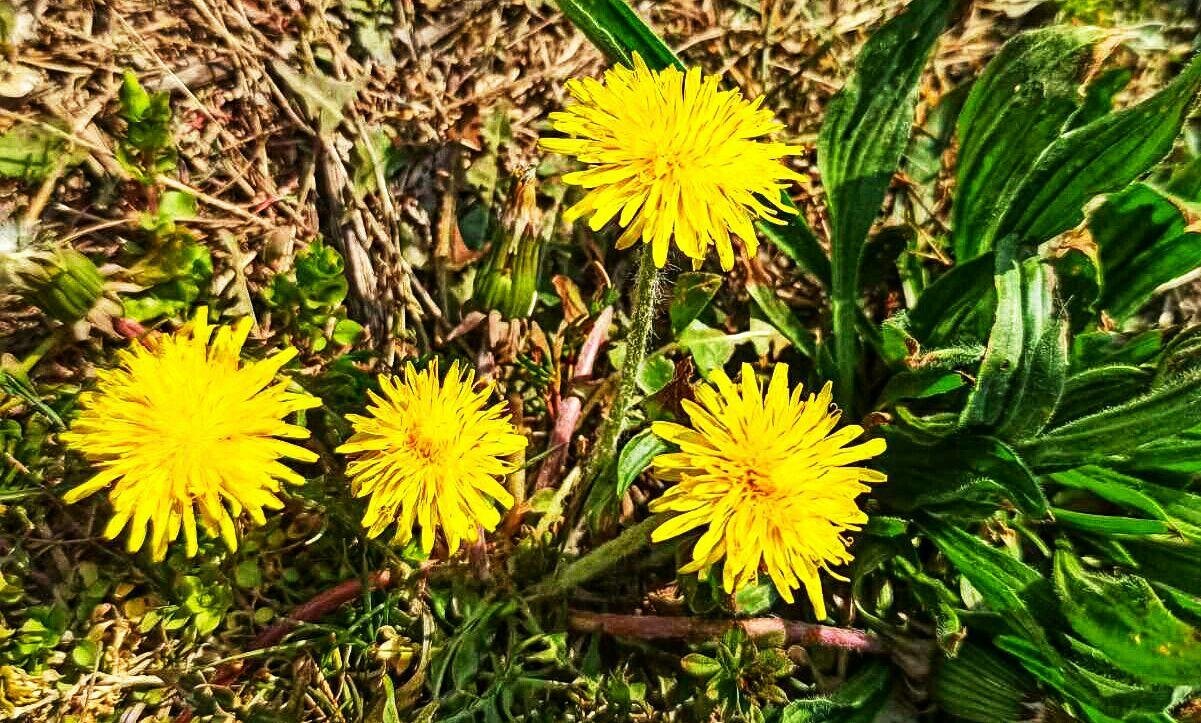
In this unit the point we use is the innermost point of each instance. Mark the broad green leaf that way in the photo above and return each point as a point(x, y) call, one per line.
point(1180, 454)
point(1017, 108)
point(1003, 355)
point(614, 28)
point(979, 685)
point(1163, 412)
point(654, 373)
point(1097, 158)
point(1092, 390)
point(950, 470)
point(863, 135)
point(1127, 622)
point(782, 318)
point(1142, 244)
point(1036, 388)
point(692, 292)
point(1113, 487)
point(636, 456)
point(957, 296)
point(1109, 525)
point(919, 384)
point(1008, 586)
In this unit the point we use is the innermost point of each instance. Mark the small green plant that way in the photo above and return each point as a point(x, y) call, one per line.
point(306, 302)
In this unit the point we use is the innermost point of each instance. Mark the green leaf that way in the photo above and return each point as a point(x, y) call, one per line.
point(655, 372)
point(1003, 355)
point(1127, 622)
point(1017, 108)
point(919, 384)
point(979, 685)
point(636, 456)
point(617, 31)
point(692, 293)
point(1113, 487)
point(1142, 244)
point(925, 475)
point(85, 653)
point(1092, 390)
point(29, 152)
point(1109, 525)
point(1007, 585)
point(1037, 386)
point(1162, 413)
point(862, 137)
point(956, 297)
point(1097, 158)
point(798, 242)
point(782, 318)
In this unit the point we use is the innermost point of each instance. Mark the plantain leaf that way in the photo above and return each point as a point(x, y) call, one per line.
point(614, 28)
point(636, 456)
point(1128, 623)
point(865, 131)
point(925, 475)
point(1113, 487)
point(1092, 390)
point(1102, 156)
point(1160, 414)
point(1110, 525)
point(957, 296)
point(1142, 244)
point(1008, 586)
point(1017, 108)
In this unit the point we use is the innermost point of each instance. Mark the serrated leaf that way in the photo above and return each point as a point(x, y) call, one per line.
point(323, 97)
point(1127, 622)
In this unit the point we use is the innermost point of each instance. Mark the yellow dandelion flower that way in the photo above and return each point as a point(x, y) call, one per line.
point(430, 453)
point(672, 155)
point(183, 431)
point(769, 479)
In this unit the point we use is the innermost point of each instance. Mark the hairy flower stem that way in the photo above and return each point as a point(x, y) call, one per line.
point(646, 287)
point(600, 560)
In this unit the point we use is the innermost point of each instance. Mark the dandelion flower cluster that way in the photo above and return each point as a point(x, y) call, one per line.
point(184, 432)
point(672, 156)
point(768, 478)
point(430, 453)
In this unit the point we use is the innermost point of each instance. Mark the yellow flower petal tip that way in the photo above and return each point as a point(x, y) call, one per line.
point(671, 155)
point(430, 453)
point(184, 433)
point(769, 479)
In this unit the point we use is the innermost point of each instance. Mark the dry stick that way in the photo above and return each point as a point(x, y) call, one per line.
point(568, 417)
point(657, 627)
point(314, 609)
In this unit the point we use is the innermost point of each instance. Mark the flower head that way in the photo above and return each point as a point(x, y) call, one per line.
point(430, 452)
point(769, 479)
point(184, 432)
point(672, 156)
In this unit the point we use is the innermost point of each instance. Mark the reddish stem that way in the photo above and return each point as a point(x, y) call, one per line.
point(655, 627)
point(568, 416)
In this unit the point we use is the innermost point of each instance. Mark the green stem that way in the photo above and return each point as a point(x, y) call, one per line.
point(846, 342)
point(631, 540)
point(646, 287)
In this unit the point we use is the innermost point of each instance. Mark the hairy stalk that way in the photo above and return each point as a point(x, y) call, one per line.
point(646, 287)
point(600, 560)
